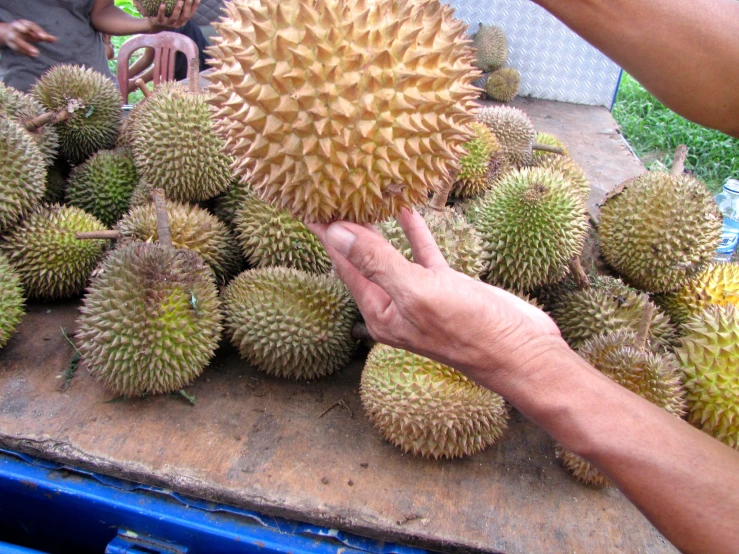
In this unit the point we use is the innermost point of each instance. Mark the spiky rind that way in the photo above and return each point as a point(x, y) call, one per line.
point(570, 169)
point(23, 107)
point(481, 163)
point(192, 228)
point(491, 47)
point(709, 357)
point(150, 8)
point(150, 321)
point(660, 231)
point(514, 131)
point(291, 323)
point(716, 285)
point(228, 203)
point(550, 140)
point(458, 241)
point(50, 260)
point(502, 85)
point(125, 138)
point(11, 300)
point(531, 225)
point(22, 176)
point(95, 104)
point(176, 148)
point(272, 237)
point(346, 110)
point(581, 469)
point(427, 408)
point(103, 185)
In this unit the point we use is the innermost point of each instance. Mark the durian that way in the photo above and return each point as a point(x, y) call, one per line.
point(531, 225)
point(291, 323)
point(125, 138)
point(549, 140)
point(491, 46)
point(47, 256)
point(659, 231)
point(502, 84)
point(427, 408)
point(24, 108)
point(150, 8)
point(481, 163)
point(569, 168)
point(343, 109)
point(11, 300)
point(228, 203)
point(709, 357)
point(514, 132)
point(271, 237)
point(22, 182)
point(94, 106)
point(458, 241)
point(103, 185)
point(150, 321)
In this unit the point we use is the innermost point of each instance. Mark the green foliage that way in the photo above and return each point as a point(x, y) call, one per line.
point(127, 6)
point(654, 132)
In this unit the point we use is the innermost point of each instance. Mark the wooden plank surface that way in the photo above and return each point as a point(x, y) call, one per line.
point(266, 444)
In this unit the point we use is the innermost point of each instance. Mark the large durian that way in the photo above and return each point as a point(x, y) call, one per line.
point(343, 109)
point(125, 138)
point(491, 47)
point(482, 162)
point(458, 241)
point(569, 168)
point(191, 227)
point(272, 237)
point(94, 106)
point(717, 284)
point(150, 8)
point(427, 408)
point(291, 323)
point(150, 321)
point(709, 357)
point(24, 109)
point(44, 251)
point(22, 176)
point(502, 84)
point(660, 230)
point(531, 226)
point(514, 131)
point(103, 185)
point(11, 300)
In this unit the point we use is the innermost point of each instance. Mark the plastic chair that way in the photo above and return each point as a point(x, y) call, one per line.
point(165, 44)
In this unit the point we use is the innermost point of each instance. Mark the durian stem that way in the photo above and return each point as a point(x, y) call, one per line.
point(578, 273)
point(44, 119)
point(194, 75)
point(143, 88)
point(165, 237)
point(441, 196)
point(646, 322)
point(89, 235)
point(678, 162)
point(360, 332)
point(548, 148)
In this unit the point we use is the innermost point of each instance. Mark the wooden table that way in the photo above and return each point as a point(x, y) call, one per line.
point(270, 445)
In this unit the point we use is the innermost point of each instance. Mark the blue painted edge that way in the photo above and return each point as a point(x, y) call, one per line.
point(615, 92)
point(218, 521)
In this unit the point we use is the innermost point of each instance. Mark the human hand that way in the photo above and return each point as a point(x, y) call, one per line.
point(428, 308)
point(182, 13)
point(21, 34)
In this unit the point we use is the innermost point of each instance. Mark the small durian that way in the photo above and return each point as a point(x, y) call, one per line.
point(531, 225)
point(549, 140)
point(23, 108)
point(659, 231)
point(291, 323)
point(355, 124)
point(93, 103)
point(11, 300)
point(47, 256)
point(150, 8)
point(569, 168)
point(22, 182)
point(150, 320)
point(716, 285)
point(458, 241)
point(481, 163)
point(103, 185)
point(514, 131)
point(427, 408)
point(272, 237)
point(502, 84)
point(709, 358)
point(491, 47)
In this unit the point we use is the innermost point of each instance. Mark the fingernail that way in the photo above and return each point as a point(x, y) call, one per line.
point(340, 238)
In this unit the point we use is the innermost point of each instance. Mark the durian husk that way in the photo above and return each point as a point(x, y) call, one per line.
point(480, 165)
point(570, 169)
point(150, 8)
point(491, 47)
point(125, 138)
point(346, 110)
point(550, 140)
point(514, 131)
point(23, 107)
point(290, 323)
point(709, 359)
point(228, 203)
point(427, 408)
point(151, 321)
point(11, 300)
point(502, 85)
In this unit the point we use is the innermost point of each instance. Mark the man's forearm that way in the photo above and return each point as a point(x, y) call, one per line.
point(684, 52)
point(684, 481)
point(114, 21)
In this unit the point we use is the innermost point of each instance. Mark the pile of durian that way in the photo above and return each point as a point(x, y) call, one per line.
point(346, 110)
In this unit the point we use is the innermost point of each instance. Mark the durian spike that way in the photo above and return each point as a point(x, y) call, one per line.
point(440, 197)
point(640, 342)
point(143, 88)
point(44, 119)
point(165, 237)
point(106, 235)
point(194, 75)
point(548, 148)
point(578, 273)
point(678, 162)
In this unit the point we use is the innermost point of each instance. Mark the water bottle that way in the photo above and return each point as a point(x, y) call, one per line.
point(728, 205)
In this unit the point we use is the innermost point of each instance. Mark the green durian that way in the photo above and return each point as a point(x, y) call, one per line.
point(11, 300)
point(481, 164)
point(150, 8)
point(659, 231)
point(514, 131)
point(502, 84)
point(22, 108)
point(569, 168)
point(492, 47)
point(427, 408)
point(550, 140)
point(125, 138)
point(150, 321)
point(291, 323)
point(228, 203)
point(709, 358)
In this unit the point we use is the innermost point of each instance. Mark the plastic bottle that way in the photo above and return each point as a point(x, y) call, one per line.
point(728, 205)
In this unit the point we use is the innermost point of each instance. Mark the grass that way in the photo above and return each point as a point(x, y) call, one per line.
point(654, 132)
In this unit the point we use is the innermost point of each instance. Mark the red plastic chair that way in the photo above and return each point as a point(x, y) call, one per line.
point(165, 44)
